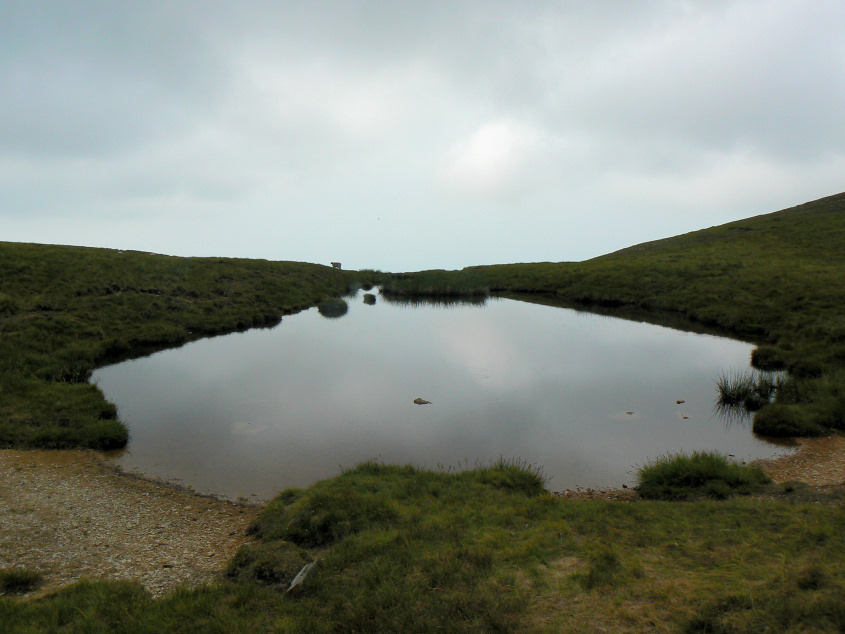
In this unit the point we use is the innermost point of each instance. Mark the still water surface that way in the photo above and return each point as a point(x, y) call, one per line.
point(586, 397)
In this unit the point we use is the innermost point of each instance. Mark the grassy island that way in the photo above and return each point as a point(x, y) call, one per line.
point(488, 549)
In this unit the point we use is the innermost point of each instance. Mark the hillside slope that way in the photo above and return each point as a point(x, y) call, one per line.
point(777, 280)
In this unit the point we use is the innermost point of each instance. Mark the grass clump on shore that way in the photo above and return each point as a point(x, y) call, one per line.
point(272, 563)
point(515, 475)
point(779, 420)
point(699, 474)
point(19, 580)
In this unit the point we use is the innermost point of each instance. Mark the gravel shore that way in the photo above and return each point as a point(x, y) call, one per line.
point(818, 462)
point(70, 515)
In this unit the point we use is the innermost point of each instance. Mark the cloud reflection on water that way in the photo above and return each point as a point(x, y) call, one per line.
point(259, 411)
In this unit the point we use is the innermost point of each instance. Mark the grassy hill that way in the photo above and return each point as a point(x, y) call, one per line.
point(777, 280)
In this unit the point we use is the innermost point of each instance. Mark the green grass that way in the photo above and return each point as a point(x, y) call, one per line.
point(404, 549)
point(700, 474)
point(441, 284)
point(19, 580)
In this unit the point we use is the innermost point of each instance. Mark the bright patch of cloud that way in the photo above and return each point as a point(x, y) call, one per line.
point(491, 158)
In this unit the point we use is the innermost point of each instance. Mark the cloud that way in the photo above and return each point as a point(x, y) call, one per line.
point(86, 79)
point(488, 162)
point(724, 178)
point(720, 76)
point(398, 136)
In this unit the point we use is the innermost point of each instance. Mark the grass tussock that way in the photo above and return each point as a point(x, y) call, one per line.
point(699, 474)
point(19, 580)
point(747, 390)
point(273, 563)
point(512, 474)
point(333, 308)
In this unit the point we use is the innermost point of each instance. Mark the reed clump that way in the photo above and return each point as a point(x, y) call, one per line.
point(333, 308)
point(749, 390)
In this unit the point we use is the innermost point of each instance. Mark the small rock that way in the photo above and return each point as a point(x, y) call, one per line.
point(421, 401)
point(678, 402)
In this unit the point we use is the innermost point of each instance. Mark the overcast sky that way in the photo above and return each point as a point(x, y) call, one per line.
point(411, 135)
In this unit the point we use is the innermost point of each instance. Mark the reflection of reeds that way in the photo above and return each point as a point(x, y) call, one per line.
point(732, 414)
point(437, 301)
